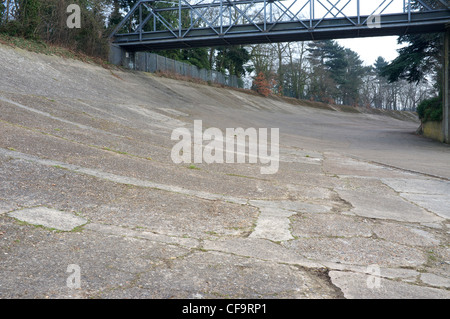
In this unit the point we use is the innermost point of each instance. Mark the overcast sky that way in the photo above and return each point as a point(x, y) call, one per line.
point(369, 49)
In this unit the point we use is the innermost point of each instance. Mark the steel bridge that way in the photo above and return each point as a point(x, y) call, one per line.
point(152, 24)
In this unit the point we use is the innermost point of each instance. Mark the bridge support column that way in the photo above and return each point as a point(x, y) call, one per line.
point(119, 56)
point(446, 87)
point(116, 54)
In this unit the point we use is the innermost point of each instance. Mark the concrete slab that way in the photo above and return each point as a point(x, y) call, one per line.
point(261, 249)
point(309, 225)
point(291, 205)
point(431, 194)
point(435, 280)
point(406, 235)
point(273, 224)
point(218, 275)
point(355, 286)
point(418, 186)
point(50, 218)
point(335, 163)
point(438, 204)
point(358, 251)
point(372, 199)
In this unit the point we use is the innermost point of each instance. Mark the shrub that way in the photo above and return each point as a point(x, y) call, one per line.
point(430, 109)
point(261, 85)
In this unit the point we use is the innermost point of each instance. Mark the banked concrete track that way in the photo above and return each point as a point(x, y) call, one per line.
point(358, 208)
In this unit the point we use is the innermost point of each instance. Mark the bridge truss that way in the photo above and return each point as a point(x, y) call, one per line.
point(152, 24)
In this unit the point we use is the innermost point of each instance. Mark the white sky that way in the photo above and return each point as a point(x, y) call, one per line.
point(369, 49)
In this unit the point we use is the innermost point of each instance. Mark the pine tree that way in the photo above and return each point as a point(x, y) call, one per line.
point(421, 57)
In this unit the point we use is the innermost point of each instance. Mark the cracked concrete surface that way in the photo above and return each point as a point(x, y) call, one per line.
point(86, 178)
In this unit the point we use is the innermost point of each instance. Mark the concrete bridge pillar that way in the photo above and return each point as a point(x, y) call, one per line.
point(119, 56)
point(446, 88)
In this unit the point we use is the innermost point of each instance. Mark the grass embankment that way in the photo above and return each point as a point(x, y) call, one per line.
point(42, 47)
